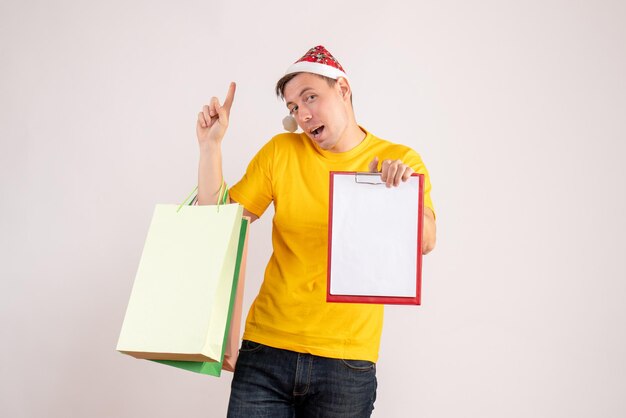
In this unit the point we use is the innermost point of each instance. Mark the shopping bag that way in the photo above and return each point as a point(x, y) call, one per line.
point(233, 327)
point(180, 301)
point(234, 331)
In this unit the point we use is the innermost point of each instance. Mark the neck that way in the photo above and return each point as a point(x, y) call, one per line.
point(352, 137)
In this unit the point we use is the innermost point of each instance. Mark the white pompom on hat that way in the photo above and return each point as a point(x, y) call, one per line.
point(319, 61)
point(290, 124)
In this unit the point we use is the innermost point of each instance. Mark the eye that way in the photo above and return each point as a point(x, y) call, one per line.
point(293, 110)
point(311, 97)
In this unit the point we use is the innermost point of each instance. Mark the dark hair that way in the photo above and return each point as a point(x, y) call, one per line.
point(280, 86)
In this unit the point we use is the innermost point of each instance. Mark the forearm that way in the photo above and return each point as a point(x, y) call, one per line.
point(209, 174)
point(429, 235)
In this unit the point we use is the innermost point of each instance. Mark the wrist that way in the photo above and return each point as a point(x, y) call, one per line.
point(210, 148)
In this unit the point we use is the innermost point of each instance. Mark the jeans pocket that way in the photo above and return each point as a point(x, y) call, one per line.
point(359, 365)
point(248, 346)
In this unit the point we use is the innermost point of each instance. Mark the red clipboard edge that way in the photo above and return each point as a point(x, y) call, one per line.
point(387, 300)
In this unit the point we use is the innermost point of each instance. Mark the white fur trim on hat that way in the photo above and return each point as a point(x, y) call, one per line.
point(316, 68)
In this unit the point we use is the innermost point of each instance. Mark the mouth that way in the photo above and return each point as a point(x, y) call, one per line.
point(317, 131)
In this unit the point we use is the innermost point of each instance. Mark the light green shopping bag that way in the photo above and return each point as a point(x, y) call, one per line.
point(215, 368)
point(179, 305)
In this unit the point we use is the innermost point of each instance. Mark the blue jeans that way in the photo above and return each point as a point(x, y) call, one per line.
point(270, 382)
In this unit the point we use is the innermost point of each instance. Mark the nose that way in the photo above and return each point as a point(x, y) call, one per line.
point(303, 114)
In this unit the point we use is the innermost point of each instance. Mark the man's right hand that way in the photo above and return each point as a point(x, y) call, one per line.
point(213, 120)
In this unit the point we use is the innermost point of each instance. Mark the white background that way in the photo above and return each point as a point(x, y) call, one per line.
point(517, 107)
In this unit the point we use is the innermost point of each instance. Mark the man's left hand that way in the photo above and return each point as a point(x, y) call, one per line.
point(391, 171)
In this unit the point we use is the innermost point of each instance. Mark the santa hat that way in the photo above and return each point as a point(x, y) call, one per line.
point(319, 61)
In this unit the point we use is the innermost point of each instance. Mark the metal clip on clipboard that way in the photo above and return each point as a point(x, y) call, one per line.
point(368, 178)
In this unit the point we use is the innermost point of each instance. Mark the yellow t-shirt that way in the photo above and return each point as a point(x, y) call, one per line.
point(291, 311)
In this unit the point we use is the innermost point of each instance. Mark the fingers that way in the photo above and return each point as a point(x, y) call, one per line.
point(206, 117)
point(209, 113)
point(394, 171)
point(230, 96)
point(373, 166)
point(214, 104)
point(222, 114)
point(202, 120)
point(407, 173)
point(218, 112)
point(214, 110)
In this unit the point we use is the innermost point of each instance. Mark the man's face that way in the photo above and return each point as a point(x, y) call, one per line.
point(319, 109)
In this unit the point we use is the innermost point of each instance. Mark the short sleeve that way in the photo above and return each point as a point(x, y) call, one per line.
point(255, 191)
point(414, 160)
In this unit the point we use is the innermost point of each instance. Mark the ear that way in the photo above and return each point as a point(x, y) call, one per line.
point(344, 88)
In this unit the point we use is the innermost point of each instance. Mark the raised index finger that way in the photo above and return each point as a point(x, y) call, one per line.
point(230, 96)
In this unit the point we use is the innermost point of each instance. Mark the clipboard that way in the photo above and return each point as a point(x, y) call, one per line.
point(374, 239)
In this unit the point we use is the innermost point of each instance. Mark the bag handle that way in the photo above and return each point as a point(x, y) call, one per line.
point(192, 198)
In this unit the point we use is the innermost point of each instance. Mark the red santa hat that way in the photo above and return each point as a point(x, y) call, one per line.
point(319, 61)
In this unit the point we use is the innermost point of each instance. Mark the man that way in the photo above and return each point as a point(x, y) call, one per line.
point(302, 356)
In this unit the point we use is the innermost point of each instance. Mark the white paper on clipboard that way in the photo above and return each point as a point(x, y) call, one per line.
point(374, 241)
